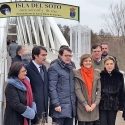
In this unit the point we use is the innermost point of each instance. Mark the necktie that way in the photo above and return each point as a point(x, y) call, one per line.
point(41, 72)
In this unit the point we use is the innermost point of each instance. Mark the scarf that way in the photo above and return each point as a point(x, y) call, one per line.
point(64, 65)
point(29, 96)
point(88, 76)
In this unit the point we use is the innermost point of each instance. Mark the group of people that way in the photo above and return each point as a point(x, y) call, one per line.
point(92, 94)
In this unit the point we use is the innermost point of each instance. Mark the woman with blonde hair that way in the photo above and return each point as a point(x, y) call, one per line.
point(112, 92)
point(88, 91)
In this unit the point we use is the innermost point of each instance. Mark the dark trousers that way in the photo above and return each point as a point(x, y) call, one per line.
point(97, 122)
point(63, 121)
point(107, 117)
point(85, 123)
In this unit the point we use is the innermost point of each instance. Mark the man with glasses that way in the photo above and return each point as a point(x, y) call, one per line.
point(96, 54)
point(61, 89)
point(98, 63)
point(73, 64)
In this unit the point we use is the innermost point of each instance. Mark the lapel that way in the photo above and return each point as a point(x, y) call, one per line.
point(78, 75)
point(35, 69)
point(96, 77)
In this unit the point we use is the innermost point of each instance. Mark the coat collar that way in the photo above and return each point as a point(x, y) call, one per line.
point(77, 74)
point(16, 83)
point(105, 71)
point(35, 68)
point(63, 64)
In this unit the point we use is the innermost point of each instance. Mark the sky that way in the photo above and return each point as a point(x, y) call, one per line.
point(91, 12)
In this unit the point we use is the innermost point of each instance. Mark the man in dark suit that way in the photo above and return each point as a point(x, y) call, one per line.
point(36, 71)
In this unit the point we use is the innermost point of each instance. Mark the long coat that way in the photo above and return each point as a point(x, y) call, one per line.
point(62, 90)
point(82, 95)
point(112, 90)
point(39, 88)
point(15, 93)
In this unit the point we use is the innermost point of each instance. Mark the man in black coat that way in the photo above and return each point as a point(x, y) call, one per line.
point(19, 51)
point(37, 73)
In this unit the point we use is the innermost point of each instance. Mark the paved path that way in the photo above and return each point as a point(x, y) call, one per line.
point(119, 119)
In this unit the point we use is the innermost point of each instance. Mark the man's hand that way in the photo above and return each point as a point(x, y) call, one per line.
point(58, 109)
point(88, 108)
point(93, 106)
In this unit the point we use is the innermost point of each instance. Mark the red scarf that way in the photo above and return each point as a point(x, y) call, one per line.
point(88, 75)
point(29, 96)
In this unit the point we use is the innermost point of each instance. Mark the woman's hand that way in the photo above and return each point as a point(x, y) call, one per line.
point(58, 109)
point(93, 106)
point(88, 108)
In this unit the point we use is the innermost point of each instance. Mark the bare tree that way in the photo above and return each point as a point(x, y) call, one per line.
point(94, 38)
point(65, 31)
point(114, 21)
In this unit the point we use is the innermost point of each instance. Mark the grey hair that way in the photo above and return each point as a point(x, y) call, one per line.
point(26, 56)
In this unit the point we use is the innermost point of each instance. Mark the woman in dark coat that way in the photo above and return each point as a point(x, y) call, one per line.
point(112, 92)
point(20, 107)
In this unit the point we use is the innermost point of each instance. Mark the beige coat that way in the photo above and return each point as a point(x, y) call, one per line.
point(81, 93)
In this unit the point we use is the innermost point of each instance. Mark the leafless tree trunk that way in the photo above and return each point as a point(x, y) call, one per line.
point(114, 21)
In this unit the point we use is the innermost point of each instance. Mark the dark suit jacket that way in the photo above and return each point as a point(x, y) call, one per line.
point(39, 88)
point(17, 58)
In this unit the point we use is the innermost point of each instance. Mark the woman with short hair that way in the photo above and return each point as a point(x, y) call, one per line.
point(20, 107)
point(112, 92)
point(88, 91)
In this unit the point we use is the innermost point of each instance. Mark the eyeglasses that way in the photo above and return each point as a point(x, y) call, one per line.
point(68, 56)
point(24, 71)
